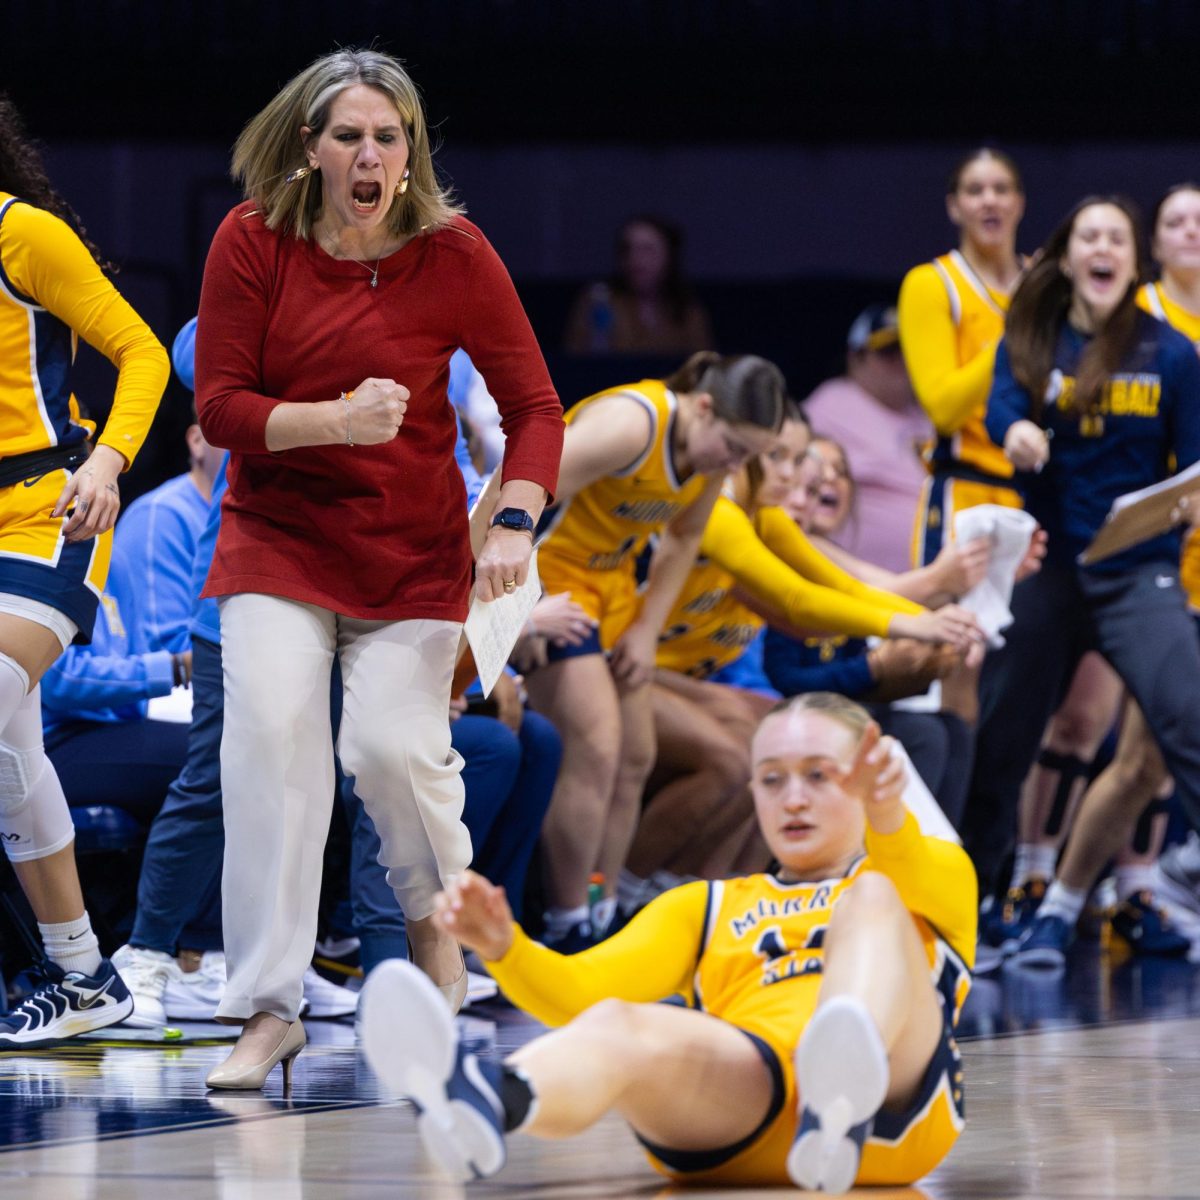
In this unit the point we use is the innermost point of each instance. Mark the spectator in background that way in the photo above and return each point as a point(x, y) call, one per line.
point(872, 412)
point(646, 307)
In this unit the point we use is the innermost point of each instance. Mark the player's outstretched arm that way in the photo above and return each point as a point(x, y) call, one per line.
point(477, 913)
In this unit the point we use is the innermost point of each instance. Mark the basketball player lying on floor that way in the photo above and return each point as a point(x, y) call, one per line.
point(814, 1041)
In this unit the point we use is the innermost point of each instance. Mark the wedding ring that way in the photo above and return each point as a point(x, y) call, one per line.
point(509, 584)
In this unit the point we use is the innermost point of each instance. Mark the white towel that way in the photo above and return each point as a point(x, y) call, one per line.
point(1009, 530)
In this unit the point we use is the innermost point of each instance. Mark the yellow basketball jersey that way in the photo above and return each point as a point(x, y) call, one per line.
point(978, 314)
point(51, 293)
point(709, 626)
point(607, 524)
point(762, 959)
point(1154, 300)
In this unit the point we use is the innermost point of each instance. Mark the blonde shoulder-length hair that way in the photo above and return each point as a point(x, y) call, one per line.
point(270, 148)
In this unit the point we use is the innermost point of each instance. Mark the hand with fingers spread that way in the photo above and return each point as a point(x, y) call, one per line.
point(97, 499)
point(877, 777)
point(477, 913)
point(375, 411)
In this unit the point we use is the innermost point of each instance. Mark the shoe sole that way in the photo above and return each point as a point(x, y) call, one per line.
point(410, 1042)
point(67, 1027)
point(842, 1076)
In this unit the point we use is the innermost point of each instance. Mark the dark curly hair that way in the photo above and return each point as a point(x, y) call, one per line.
point(22, 174)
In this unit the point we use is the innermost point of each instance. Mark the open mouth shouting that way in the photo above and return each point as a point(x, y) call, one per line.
point(366, 195)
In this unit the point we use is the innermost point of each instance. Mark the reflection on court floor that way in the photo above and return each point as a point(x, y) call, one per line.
point(1078, 1084)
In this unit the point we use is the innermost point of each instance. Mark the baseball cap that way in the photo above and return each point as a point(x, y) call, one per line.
point(183, 355)
point(875, 328)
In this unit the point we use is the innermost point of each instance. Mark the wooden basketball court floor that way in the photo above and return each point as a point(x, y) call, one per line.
point(1080, 1086)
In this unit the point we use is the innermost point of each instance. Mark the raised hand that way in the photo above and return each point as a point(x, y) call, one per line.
point(375, 411)
point(477, 913)
point(876, 777)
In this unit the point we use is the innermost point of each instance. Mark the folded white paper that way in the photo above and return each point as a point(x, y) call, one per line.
point(493, 626)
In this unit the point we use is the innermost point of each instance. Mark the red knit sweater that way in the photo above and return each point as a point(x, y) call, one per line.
point(375, 532)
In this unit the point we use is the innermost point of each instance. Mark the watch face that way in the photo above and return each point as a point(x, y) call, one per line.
point(513, 518)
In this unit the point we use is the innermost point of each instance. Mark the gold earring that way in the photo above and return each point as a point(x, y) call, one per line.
point(402, 186)
point(298, 173)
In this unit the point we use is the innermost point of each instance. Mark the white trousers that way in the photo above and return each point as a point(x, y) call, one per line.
point(277, 777)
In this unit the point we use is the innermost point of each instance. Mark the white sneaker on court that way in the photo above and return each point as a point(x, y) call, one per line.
point(146, 974)
point(327, 999)
point(194, 995)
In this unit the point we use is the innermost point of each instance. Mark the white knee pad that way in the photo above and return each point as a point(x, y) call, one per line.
point(19, 771)
point(34, 818)
point(42, 824)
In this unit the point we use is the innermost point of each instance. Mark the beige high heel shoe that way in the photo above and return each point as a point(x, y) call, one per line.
point(245, 1074)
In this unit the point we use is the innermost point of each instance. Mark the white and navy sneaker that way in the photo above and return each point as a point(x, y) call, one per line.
point(65, 1004)
point(842, 1076)
point(411, 1043)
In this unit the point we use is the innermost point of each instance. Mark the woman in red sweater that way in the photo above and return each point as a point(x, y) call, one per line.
point(332, 302)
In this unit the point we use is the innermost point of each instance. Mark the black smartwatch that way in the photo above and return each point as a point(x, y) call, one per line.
point(514, 518)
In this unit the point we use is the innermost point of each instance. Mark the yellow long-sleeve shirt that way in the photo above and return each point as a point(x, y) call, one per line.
point(51, 293)
point(750, 950)
point(950, 323)
point(769, 556)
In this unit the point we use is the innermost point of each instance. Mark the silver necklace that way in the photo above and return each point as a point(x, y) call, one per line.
point(372, 271)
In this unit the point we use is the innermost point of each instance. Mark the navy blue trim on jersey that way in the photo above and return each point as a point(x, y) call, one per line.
point(5, 281)
point(62, 586)
point(944, 1071)
point(589, 645)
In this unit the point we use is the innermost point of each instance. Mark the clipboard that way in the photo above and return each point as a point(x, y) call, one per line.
point(1138, 516)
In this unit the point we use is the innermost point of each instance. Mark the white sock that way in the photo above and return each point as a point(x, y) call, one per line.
point(72, 945)
point(1136, 877)
point(603, 912)
point(1033, 860)
point(1063, 901)
point(560, 920)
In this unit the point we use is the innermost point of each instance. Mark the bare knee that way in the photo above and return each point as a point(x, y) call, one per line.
point(1139, 769)
point(1079, 727)
point(872, 898)
point(612, 1020)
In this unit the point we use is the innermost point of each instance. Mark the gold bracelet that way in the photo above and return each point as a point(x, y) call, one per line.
point(349, 409)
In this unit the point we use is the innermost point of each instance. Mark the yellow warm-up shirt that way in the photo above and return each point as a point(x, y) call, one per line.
point(769, 556)
point(750, 950)
point(607, 524)
point(950, 323)
point(52, 292)
point(1152, 297)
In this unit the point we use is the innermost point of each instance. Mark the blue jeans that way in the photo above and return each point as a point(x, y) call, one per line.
point(508, 779)
point(181, 870)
